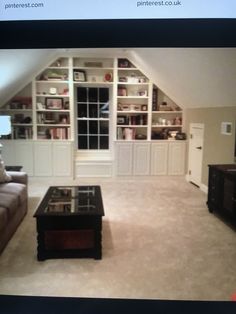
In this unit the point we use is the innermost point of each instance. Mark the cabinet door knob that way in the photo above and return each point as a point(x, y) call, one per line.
point(199, 147)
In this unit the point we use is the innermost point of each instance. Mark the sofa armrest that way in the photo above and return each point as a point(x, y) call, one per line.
point(18, 177)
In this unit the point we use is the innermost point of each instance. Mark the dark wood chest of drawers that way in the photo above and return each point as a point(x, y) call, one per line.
point(222, 191)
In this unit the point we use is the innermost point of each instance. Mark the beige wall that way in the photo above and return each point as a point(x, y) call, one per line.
point(218, 148)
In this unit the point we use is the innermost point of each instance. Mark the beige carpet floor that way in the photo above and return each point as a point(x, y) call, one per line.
point(159, 242)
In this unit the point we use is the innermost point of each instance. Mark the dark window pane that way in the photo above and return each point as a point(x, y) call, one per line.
point(93, 95)
point(82, 142)
point(103, 94)
point(104, 127)
point(93, 142)
point(93, 127)
point(93, 110)
point(104, 142)
point(82, 127)
point(104, 110)
point(82, 110)
point(81, 94)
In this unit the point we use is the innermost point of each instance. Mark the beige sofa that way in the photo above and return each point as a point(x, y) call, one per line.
point(13, 205)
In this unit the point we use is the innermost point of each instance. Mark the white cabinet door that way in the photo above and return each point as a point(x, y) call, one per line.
point(43, 159)
point(24, 156)
point(176, 158)
point(124, 159)
point(141, 165)
point(159, 158)
point(62, 159)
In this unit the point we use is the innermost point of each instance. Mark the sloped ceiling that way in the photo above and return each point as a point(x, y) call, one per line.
point(17, 68)
point(192, 77)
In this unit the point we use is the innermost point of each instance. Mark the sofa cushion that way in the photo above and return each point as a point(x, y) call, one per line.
point(10, 202)
point(4, 177)
point(17, 189)
point(3, 218)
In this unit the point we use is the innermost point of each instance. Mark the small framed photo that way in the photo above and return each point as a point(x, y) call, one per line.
point(121, 120)
point(40, 106)
point(144, 107)
point(54, 103)
point(79, 76)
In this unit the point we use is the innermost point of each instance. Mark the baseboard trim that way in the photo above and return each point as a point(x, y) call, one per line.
point(204, 188)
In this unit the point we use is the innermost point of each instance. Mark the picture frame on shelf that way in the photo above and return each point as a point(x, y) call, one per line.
point(143, 107)
point(54, 103)
point(79, 76)
point(40, 106)
point(124, 63)
point(66, 105)
point(108, 77)
point(63, 119)
point(121, 120)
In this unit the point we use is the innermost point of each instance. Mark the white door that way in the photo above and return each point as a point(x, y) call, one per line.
point(195, 153)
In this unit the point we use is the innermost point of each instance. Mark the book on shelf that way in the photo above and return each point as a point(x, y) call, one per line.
point(59, 133)
point(22, 133)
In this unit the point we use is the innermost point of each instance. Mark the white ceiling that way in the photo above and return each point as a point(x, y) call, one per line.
point(192, 77)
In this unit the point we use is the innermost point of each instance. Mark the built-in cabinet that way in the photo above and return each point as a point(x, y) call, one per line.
point(94, 105)
point(166, 158)
point(40, 158)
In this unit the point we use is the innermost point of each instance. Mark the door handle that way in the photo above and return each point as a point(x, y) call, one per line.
point(199, 147)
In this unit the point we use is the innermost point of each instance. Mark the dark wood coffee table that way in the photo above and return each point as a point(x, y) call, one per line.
point(69, 222)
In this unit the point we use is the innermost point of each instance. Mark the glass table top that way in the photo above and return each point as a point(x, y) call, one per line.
point(73, 199)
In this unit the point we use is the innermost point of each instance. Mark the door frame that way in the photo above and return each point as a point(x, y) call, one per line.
point(201, 126)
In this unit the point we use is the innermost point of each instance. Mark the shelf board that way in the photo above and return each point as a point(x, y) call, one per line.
point(58, 68)
point(131, 111)
point(53, 96)
point(22, 124)
point(166, 126)
point(93, 83)
point(131, 126)
point(54, 110)
point(93, 119)
point(128, 69)
point(166, 112)
point(130, 97)
point(129, 83)
point(56, 125)
point(15, 110)
point(52, 81)
point(52, 139)
point(92, 68)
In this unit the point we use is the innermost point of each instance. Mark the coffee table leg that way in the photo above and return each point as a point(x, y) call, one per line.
point(40, 247)
point(98, 241)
